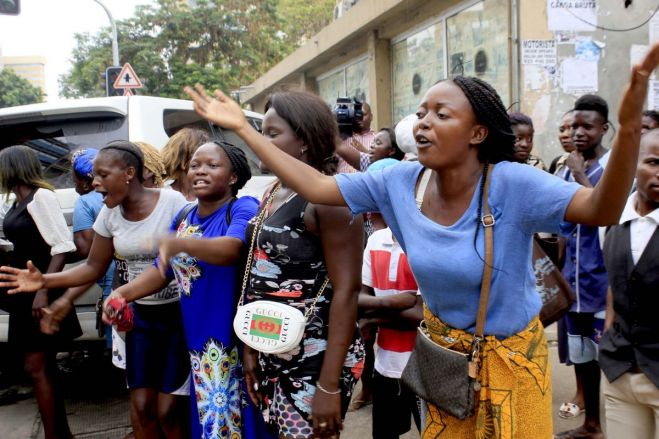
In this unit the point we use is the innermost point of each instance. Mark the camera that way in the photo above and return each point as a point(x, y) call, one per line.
point(348, 112)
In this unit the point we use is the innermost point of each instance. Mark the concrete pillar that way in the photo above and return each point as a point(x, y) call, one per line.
point(379, 80)
point(308, 83)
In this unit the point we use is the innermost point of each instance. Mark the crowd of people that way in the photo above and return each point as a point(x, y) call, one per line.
point(364, 255)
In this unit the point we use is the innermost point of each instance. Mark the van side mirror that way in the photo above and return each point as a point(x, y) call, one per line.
point(10, 7)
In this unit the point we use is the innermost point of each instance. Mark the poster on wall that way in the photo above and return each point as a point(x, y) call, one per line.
point(653, 95)
point(654, 29)
point(571, 15)
point(539, 52)
point(579, 76)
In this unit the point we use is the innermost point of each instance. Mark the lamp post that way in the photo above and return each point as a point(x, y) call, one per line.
point(115, 45)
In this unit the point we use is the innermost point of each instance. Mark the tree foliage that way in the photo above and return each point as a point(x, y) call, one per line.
point(218, 43)
point(303, 18)
point(15, 90)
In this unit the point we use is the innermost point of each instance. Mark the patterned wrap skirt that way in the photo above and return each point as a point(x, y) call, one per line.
point(515, 396)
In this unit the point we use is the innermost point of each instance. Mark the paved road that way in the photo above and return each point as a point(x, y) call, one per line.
point(97, 405)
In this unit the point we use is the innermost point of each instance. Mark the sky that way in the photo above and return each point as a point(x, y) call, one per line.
point(46, 28)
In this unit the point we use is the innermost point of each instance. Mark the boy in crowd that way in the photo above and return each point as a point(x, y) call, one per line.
point(390, 300)
point(584, 264)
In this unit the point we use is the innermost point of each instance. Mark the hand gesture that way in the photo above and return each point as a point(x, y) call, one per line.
point(250, 370)
point(631, 105)
point(54, 314)
point(326, 414)
point(575, 162)
point(39, 303)
point(220, 109)
point(22, 281)
point(169, 247)
point(108, 316)
point(403, 300)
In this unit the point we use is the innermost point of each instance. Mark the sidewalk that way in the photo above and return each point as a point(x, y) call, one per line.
point(105, 414)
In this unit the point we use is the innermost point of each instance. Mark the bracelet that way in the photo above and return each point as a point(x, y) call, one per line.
point(324, 390)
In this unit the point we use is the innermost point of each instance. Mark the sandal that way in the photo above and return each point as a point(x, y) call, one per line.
point(356, 404)
point(569, 410)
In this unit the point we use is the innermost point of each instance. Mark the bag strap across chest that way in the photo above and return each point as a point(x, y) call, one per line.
point(487, 221)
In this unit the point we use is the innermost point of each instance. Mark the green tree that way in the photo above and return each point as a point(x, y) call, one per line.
point(219, 43)
point(302, 19)
point(15, 90)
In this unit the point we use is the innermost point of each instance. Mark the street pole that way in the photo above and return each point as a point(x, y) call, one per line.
point(115, 44)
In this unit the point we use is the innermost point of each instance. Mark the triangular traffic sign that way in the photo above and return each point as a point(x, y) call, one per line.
point(127, 78)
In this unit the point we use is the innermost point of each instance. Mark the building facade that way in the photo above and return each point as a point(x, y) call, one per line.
point(540, 55)
point(32, 68)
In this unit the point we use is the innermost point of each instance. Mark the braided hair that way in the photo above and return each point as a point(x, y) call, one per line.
point(239, 164)
point(129, 153)
point(153, 162)
point(499, 145)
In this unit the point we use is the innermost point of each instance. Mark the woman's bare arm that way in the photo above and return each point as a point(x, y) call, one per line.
point(314, 186)
point(31, 279)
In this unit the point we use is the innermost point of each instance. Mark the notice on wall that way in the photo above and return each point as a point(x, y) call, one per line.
point(588, 50)
point(654, 29)
point(539, 52)
point(579, 15)
point(653, 95)
point(579, 76)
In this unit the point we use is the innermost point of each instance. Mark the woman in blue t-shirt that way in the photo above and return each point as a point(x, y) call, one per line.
point(462, 130)
point(205, 270)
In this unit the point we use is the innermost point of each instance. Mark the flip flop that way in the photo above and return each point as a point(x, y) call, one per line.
point(356, 404)
point(569, 410)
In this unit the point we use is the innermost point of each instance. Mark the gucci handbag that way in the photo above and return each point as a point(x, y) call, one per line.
point(264, 325)
point(446, 378)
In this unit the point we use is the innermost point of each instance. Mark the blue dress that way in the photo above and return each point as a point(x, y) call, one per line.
point(208, 303)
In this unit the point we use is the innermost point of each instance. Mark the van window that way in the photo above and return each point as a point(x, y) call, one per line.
point(174, 120)
point(54, 141)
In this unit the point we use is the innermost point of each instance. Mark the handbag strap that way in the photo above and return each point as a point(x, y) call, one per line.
point(250, 255)
point(487, 220)
point(257, 229)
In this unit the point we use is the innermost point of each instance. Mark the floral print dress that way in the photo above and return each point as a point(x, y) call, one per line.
point(289, 267)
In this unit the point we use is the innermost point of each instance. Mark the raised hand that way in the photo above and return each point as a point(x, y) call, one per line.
point(219, 108)
point(631, 105)
point(21, 280)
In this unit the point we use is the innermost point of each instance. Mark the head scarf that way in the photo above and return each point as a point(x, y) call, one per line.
point(239, 164)
point(82, 162)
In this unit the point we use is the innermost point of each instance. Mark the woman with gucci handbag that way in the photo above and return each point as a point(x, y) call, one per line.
point(297, 315)
point(462, 132)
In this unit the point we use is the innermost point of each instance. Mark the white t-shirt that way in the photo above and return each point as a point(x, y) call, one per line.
point(641, 229)
point(136, 242)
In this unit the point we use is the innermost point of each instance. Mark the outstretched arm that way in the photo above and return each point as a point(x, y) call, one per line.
point(223, 250)
point(31, 279)
point(603, 204)
point(314, 186)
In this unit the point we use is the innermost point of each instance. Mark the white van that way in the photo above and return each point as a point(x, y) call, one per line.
point(56, 129)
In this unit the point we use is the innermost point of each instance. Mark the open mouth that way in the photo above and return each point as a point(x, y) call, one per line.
point(200, 183)
point(103, 193)
point(421, 141)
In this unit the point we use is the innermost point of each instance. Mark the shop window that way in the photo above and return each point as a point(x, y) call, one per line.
point(357, 80)
point(349, 81)
point(418, 62)
point(478, 44)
